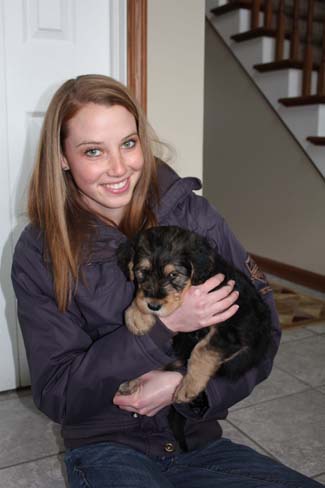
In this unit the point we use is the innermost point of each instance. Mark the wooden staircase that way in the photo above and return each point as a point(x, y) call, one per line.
point(281, 43)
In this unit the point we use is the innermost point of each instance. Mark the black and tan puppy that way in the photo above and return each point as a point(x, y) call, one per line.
point(164, 262)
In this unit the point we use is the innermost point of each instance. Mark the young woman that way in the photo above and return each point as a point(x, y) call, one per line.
point(95, 184)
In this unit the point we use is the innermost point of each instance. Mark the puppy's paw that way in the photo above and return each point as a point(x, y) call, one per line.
point(184, 393)
point(129, 387)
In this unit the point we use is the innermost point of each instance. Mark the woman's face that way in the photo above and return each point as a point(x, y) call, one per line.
point(104, 155)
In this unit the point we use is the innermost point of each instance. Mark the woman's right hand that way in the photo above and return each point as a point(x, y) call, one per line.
point(202, 307)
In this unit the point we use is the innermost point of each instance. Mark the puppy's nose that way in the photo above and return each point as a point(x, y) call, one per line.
point(154, 306)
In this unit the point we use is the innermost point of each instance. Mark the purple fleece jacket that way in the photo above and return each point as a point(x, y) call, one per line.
point(78, 359)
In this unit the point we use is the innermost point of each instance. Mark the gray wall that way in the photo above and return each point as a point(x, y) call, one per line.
point(254, 171)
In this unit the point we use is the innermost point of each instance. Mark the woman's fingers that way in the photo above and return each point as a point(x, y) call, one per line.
point(223, 304)
point(211, 283)
point(222, 316)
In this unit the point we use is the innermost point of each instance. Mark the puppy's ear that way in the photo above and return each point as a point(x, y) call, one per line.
point(125, 255)
point(201, 255)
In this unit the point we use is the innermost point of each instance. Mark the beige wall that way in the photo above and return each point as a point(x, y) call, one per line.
point(176, 78)
point(254, 171)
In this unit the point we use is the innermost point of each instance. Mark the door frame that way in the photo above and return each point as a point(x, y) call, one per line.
point(137, 18)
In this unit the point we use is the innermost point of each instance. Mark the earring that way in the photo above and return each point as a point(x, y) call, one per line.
point(65, 168)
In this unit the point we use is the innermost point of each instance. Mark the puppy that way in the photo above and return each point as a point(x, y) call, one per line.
point(163, 262)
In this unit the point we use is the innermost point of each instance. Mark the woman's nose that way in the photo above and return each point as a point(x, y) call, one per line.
point(116, 165)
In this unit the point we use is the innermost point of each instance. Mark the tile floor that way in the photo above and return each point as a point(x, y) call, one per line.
point(284, 418)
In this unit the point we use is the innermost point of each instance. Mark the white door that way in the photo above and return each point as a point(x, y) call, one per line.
point(42, 43)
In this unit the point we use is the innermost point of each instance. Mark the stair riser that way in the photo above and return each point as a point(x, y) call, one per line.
point(233, 22)
point(255, 51)
point(282, 84)
point(303, 121)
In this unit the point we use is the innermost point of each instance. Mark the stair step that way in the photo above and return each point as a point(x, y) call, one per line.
point(229, 7)
point(279, 65)
point(317, 140)
point(255, 33)
point(300, 101)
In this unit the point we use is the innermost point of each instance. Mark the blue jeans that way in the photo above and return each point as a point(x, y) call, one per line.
point(222, 464)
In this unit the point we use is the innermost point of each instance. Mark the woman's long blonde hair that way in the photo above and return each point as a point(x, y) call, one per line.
point(55, 204)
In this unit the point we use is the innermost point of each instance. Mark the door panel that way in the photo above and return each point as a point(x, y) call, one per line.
point(44, 42)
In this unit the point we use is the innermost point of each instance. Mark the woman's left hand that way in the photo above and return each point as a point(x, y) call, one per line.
point(155, 392)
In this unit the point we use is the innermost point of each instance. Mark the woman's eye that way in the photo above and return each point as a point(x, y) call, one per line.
point(93, 152)
point(129, 144)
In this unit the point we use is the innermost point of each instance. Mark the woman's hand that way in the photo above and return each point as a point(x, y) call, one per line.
point(202, 307)
point(155, 392)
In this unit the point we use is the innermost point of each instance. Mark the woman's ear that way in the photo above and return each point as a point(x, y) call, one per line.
point(125, 255)
point(64, 163)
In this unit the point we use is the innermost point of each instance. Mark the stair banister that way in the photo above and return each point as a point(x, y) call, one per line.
point(268, 14)
point(321, 72)
point(280, 32)
point(308, 54)
point(295, 36)
point(255, 14)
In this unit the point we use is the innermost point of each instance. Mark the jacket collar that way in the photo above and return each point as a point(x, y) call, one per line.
point(173, 189)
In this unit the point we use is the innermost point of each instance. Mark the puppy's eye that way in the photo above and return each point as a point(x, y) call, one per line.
point(172, 275)
point(140, 274)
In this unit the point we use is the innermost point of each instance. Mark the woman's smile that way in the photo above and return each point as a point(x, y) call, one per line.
point(118, 188)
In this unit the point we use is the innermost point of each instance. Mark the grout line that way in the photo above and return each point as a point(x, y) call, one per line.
point(31, 460)
point(263, 402)
point(299, 338)
point(253, 440)
point(319, 474)
point(306, 338)
point(293, 376)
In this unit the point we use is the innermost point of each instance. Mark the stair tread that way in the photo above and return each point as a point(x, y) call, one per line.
point(256, 33)
point(299, 101)
point(280, 65)
point(317, 140)
point(229, 7)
